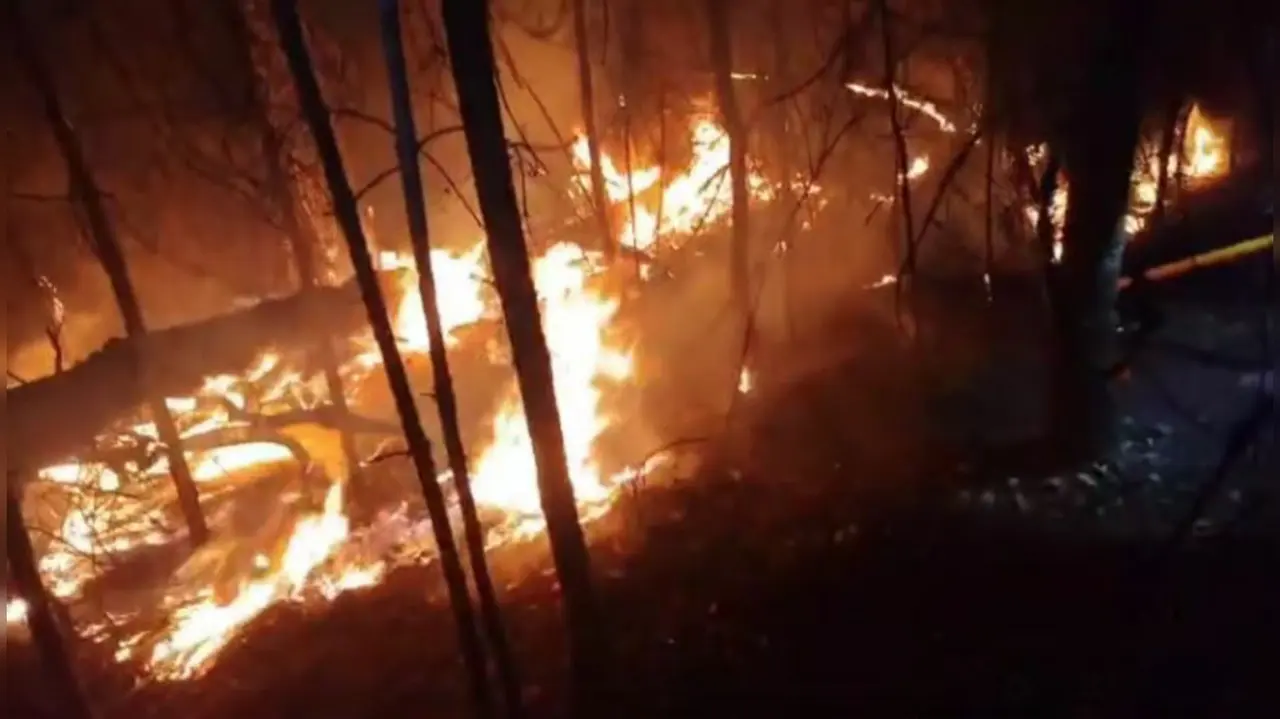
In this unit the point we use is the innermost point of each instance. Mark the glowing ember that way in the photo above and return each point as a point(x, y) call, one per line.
point(929, 109)
point(15, 611)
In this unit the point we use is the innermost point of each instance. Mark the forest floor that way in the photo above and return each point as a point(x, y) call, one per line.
point(841, 554)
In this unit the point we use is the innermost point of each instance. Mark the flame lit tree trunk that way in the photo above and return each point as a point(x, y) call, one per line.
point(316, 116)
point(1174, 116)
point(722, 69)
point(471, 57)
point(904, 219)
point(780, 85)
point(599, 197)
point(446, 401)
point(287, 206)
point(633, 95)
point(1097, 153)
point(42, 616)
point(107, 247)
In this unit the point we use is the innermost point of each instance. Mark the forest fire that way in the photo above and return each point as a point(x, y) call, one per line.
point(317, 558)
point(317, 555)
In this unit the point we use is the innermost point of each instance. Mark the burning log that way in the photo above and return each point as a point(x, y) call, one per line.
point(60, 415)
point(250, 429)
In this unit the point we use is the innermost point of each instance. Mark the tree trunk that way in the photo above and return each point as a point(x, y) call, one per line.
point(107, 247)
point(316, 115)
point(471, 57)
point(634, 98)
point(779, 85)
point(42, 619)
point(726, 97)
point(446, 401)
point(1174, 116)
point(599, 196)
point(285, 200)
point(1098, 148)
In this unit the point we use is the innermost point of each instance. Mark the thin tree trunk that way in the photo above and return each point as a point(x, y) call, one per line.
point(42, 618)
point(471, 58)
point(107, 247)
point(722, 68)
point(446, 401)
point(599, 196)
point(1173, 119)
point(285, 200)
point(316, 115)
point(634, 98)
point(901, 158)
point(780, 84)
point(1097, 154)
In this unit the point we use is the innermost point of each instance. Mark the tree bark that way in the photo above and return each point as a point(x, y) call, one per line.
point(42, 619)
point(471, 57)
point(1098, 147)
point(285, 199)
point(718, 21)
point(446, 400)
point(599, 196)
point(107, 246)
point(316, 115)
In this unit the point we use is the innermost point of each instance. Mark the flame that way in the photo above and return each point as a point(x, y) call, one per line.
point(15, 611)
point(460, 287)
point(700, 195)
point(576, 318)
point(1203, 157)
point(201, 628)
point(318, 555)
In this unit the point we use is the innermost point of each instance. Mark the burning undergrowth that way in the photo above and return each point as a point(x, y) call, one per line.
point(277, 499)
point(274, 487)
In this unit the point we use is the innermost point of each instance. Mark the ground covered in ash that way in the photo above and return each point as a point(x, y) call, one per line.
point(839, 553)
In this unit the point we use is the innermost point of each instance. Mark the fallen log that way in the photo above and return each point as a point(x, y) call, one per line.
point(60, 415)
point(248, 429)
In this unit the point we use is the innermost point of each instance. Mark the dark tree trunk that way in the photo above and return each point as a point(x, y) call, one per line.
point(107, 247)
point(284, 199)
point(471, 55)
point(316, 115)
point(901, 157)
point(1098, 145)
point(446, 401)
point(599, 196)
point(718, 20)
point(1174, 116)
point(42, 617)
